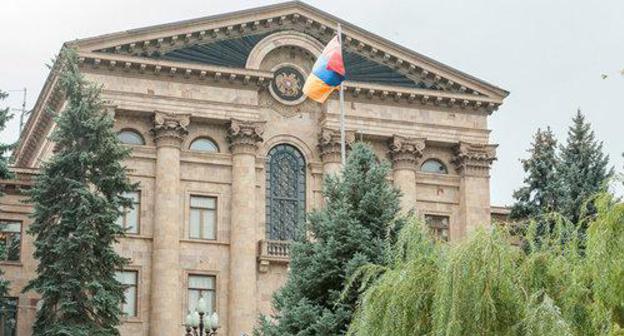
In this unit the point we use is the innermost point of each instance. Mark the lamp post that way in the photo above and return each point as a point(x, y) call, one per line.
point(200, 324)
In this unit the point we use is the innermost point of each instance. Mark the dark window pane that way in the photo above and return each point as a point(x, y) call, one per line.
point(433, 166)
point(204, 145)
point(285, 192)
point(130, 138)
point(11, 240)
point(8, 318)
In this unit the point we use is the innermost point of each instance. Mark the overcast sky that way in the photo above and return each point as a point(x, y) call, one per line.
point(550, 54)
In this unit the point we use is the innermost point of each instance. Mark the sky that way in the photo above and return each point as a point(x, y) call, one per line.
point(550, 54)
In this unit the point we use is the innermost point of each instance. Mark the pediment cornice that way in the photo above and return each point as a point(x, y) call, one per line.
point(295, 16)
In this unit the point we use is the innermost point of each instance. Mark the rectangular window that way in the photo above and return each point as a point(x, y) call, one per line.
point(130, 218)
point(202, 221)
point(11, 240)
point(201, 286)
point(129, 280)
point(439, 226)
point(8, 318)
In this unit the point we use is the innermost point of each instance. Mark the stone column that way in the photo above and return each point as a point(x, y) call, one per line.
point(244, 137)
point(329, 146)
point(405, 153)
point(473, 163)
point(165, 295)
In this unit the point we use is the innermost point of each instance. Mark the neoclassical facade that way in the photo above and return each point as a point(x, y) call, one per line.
point(229, 155)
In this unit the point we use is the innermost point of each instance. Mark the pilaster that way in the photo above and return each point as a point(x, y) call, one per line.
point(473, 162)
point(244, 137)
point(330, 149)
point(169, 132)
point(405, 154)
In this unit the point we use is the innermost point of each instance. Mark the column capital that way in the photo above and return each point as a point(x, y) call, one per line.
point(329, 144)
point(244, 136)
point(474, 159)
point(405, 152)
point(170, 129)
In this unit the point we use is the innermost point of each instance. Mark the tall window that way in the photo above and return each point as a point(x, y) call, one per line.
point(439, 225)
point(202, 286)
point(285, 192)
point(8, 318)
point(129, 280)
point(130, 137)
point(202, 219)
point(11, 240)
point(130, 219)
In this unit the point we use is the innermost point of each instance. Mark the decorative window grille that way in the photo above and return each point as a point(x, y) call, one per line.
point(285, 192)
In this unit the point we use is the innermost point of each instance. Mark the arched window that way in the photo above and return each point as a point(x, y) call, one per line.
point(130, 137)
point(433, 166)
point(204, 145)
point(285, 192)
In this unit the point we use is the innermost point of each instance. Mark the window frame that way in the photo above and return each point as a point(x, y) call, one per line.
point(131, 130)
point(301, 197)
point(215, 210)
point(137, 207)
point(199, 138)
point(435, 228)
point(137, 286)
point(433, 159)
point(192, 273)
point(5, 260)
point(16, 314)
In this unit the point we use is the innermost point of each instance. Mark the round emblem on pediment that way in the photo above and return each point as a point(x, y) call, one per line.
point(287, 85)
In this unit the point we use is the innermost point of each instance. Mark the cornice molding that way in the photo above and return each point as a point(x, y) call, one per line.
point(179, 70)
point(296, 16)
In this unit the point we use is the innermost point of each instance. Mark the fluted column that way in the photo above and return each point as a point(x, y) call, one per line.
point(244, 137)
point(329, 146)
point(165, 300)
point(405, 153)
point(473, 162)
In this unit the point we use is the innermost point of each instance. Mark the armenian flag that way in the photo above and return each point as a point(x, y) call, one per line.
point(327, 74)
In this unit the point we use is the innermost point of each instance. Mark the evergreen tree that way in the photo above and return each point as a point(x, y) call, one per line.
point(352, 230)
point(5, 116)
point(585, 169)
point(76, 200)
point(542, 189)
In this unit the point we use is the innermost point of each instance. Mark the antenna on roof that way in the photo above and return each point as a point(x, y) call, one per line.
point(22, 110)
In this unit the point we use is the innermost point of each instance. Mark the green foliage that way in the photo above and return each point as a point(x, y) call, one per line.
point(5, 116)
point(542, 189)
point(352, 230)
point(584, 169)
point(558, 285)
point(479, 290)
point(77, 199)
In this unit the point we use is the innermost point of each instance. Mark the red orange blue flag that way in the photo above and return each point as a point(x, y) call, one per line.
point(327, 74)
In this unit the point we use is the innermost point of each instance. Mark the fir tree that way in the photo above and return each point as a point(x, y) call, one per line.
point(5, 116)
point(542, 189)
point(585, 169)
point(76, 200)
point(350, 231)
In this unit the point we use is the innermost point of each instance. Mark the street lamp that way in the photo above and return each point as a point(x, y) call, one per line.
point(200, 324)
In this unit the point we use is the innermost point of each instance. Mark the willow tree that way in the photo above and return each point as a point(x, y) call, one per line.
point(559, 285)
point(77, 198)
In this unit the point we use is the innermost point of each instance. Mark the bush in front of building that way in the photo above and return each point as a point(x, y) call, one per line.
point(560, 284)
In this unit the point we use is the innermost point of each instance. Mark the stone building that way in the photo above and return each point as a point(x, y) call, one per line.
point(229, 154)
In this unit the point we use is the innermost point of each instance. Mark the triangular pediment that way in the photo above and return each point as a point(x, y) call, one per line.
point(227, 39)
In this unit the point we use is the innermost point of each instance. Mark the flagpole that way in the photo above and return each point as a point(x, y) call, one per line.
point(343, 150)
